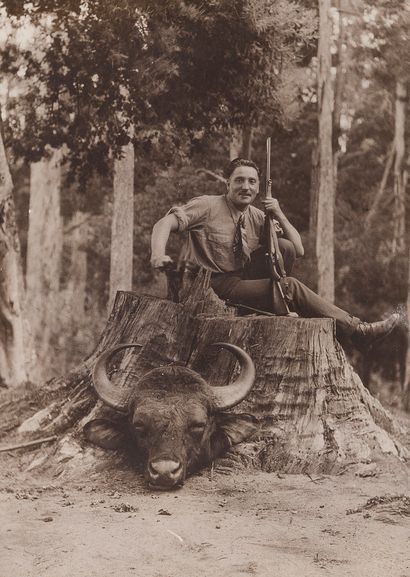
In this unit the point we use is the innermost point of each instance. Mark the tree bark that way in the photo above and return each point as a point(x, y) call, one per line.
point(44, 253)
point(399, 211)
point(236, 144)
point(14, 365)
point(247, 146)
point(122, 229)
point(340, 81)
point(77, 276)
point(315, 414)
point(406, 379)
point(314, 190)
point(241, 144)
point(326, 190)
point(73, 297)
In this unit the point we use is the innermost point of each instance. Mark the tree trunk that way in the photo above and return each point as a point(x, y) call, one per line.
point(122, 229)
point(314, 189)
point(315, 414)
point(13, 352)
point(406, 379)
point(241, 144)
point(340, 81)
point(247, 146)
point(74, 295)
point(326, 190)
point(399, 211)
point(77, 276)
point(236, 144)
point(44, 253)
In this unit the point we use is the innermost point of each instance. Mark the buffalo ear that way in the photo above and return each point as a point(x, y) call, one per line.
point(104, 433)
point(232, 429)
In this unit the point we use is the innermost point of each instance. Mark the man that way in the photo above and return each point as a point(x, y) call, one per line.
point(224, 236)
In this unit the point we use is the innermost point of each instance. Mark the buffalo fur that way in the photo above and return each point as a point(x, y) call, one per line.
point(164, 409)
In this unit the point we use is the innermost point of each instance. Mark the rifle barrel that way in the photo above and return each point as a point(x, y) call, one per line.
point(268, 159)
point(268, 180)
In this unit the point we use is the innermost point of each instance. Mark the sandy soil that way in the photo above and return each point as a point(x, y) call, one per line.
point(242, 523)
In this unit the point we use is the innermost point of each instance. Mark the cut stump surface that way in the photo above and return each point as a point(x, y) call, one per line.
point(315, 413)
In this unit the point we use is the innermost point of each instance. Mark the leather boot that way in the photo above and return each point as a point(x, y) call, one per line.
point(366, 335)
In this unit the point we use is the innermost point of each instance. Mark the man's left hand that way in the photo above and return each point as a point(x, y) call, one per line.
point(272, 206)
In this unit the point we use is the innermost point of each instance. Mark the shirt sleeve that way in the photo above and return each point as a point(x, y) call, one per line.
point(193, 214)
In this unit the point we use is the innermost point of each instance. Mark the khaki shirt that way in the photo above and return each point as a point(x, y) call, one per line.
point(210, 222)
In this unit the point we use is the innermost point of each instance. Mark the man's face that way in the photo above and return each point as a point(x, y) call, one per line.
point(243, 186)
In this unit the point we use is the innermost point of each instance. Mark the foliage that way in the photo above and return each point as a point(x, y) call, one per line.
point(184, 74)
point(383, 48)
point(371, 280)
point(185, 68)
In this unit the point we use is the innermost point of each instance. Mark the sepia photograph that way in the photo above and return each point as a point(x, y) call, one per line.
point(204, 288)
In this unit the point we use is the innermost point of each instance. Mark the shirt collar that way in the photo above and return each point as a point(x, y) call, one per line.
point(235, 212)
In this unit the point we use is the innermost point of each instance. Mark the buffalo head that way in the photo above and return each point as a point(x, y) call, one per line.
point(174, 417)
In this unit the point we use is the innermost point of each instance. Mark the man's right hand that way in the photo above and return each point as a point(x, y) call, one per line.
point(163, 262)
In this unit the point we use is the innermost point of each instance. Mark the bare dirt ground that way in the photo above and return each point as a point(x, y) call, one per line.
point(89, 514)
point(106, 523)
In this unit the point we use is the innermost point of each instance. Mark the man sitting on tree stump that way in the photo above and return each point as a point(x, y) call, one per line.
point(225, 234)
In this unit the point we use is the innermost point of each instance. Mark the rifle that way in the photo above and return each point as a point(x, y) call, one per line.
point(274, 259)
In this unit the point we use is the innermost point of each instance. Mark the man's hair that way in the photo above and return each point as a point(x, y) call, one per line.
point(240, 162)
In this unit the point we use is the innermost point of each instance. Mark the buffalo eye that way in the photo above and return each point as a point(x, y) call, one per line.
point(197, 428)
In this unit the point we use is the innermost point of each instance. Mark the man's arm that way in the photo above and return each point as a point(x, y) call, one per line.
point(272, 206)
point(159, 239)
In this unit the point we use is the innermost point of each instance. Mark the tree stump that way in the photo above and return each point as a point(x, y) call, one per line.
point(315, 413)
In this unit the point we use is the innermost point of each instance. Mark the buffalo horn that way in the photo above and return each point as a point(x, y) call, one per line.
point(114, 397)
point(231, 395)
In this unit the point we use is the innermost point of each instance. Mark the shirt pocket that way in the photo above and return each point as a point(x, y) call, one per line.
point(220, 242)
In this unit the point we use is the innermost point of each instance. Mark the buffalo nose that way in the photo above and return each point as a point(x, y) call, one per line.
point(165, 472)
